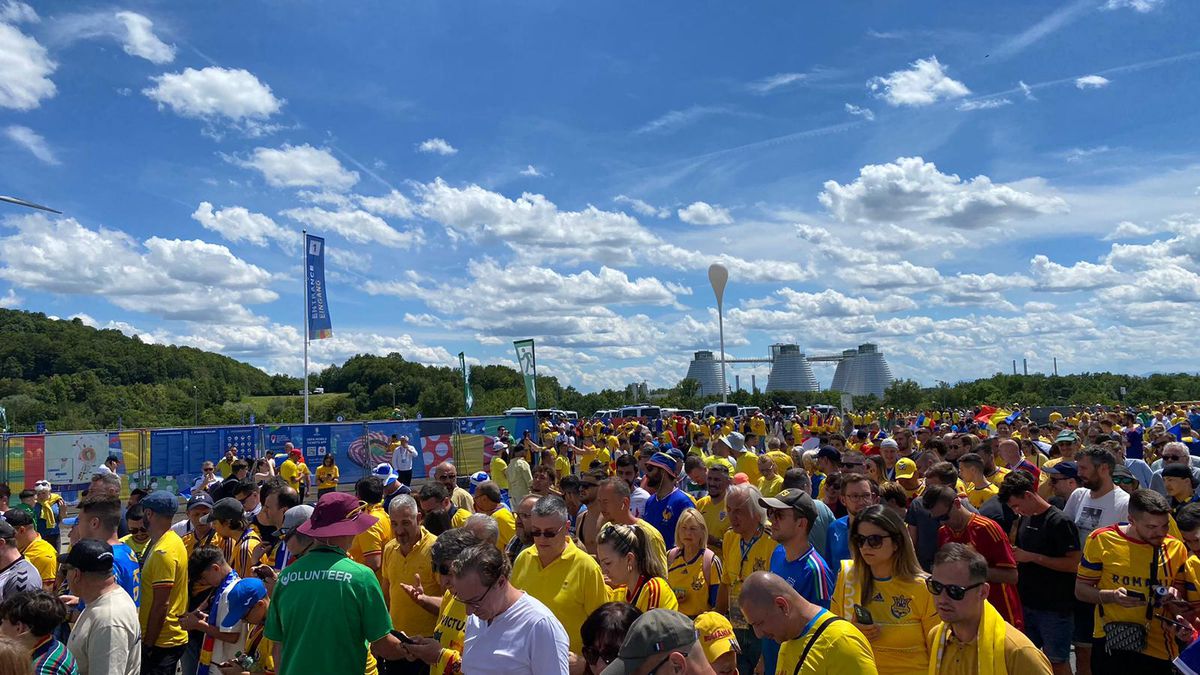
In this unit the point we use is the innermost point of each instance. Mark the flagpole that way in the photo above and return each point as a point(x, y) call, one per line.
point(304, 280)
point(533, 355)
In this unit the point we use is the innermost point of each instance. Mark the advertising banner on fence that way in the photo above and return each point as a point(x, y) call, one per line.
point(71, 459)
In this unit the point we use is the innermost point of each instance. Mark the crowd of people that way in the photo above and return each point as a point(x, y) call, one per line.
point(902, 544)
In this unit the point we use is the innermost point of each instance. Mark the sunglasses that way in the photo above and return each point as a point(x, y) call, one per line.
point(851, 465)
point(605, 656)
point(137, 530)
point(871, 540)
point(1173, 458)
point(955, 592)
point(208, 471)
point(588, 486)
point(546, 534)
point(1123, 481)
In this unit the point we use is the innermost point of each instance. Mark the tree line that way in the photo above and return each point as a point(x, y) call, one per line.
point(73, 377)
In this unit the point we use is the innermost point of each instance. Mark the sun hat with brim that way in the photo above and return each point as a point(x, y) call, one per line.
point(337, 514)
point(385, 473)
point(656, 632)
point(1067, 436)
point(663, 461)
point(716, 636)
point(244, 595)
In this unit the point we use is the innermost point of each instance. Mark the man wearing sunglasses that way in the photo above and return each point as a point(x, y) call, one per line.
point(972, 631)
point(510, 632)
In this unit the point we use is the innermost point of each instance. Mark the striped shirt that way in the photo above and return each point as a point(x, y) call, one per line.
point(50, 657)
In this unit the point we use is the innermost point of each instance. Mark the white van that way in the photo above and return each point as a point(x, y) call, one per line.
point(720, 410)
point(647, 411)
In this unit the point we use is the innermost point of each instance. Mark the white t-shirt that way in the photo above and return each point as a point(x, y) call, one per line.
point(107, 637)
point(637, 501)
point(1091, 514)
point(402, 457)
point(525, 639)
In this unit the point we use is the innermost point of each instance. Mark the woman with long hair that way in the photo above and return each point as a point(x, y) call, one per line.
point(693, 570)
point(262, 471)
point(881, 590)
point(633, 574)
point(327, 475)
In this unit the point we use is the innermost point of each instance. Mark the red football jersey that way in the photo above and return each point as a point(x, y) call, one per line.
point(986, 537)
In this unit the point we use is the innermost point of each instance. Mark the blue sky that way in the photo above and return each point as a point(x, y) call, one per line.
point(961, 184)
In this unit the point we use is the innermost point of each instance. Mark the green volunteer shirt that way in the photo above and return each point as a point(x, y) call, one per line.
point(324, 612)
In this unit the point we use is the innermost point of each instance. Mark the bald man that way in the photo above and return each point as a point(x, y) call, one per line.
point(778, 612)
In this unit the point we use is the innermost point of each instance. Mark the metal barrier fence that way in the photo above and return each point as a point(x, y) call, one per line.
point(170, 459)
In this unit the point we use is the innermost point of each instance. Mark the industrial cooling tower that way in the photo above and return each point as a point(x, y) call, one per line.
point(841, 376)
point(706, 370)
point(871, 374)
point(790, 370)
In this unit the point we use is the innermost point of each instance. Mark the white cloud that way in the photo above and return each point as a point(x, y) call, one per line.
point(15, 12)
point(32, 141)
point(703, 213)
point(1091, 82)
point(171, 278)
point(1076, 155)
point(436, 146)
point(773, 82)
point(982, 104)
point(924, 83)
point(1026, 90)
point(675, 119)
point(357, 226)
point(643, 208)
point(913, 190)
point(394, 203)
point(1142, 6)
point(235, 96)
point(237, 224)
point(11, 300)
point(1081, 276)
point(535, 229)
point(25, 70)
point(903, 274)
point(531, 171)
point(300, 166)
point(140, 39)
point(864, 113)
point(1128, 230)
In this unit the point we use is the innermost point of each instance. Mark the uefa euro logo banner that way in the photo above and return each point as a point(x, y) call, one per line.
point(320, 326)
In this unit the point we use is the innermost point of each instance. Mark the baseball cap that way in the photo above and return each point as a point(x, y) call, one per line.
point(386, 472)
point(163, 503)
point(791, 498)
point(228, 508)
point(653, 633)
point(1120, 470)
point(1066, 470)
point(905, 468)
point(101, 470)
point(7, 531)
point(244, 595)
point(200, 499)
point(716, 636)
point(42, 486)
point(337, 514)
point(1066, 436)
point(831, 453)
point(1177, 471)
point(663, 461)
point(295, 517)
point(90, 555)
point(889, 443)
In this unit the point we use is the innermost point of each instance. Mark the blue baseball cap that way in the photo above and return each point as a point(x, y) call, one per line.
point(161, 502)
point(244, 595)
point(665, 462)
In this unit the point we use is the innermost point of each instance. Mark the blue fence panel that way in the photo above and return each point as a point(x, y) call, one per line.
point(167, 450)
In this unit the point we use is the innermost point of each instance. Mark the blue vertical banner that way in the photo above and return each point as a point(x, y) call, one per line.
point(320, 326)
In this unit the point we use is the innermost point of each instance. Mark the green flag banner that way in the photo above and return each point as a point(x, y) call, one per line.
point(528, 363)
point(466, 373)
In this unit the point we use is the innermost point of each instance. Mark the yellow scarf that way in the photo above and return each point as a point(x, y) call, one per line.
point(989, 643)
point(47, 508)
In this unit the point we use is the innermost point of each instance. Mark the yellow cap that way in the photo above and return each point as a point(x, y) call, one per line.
point(905, 468)
point(715, 462)
point(716, 636)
